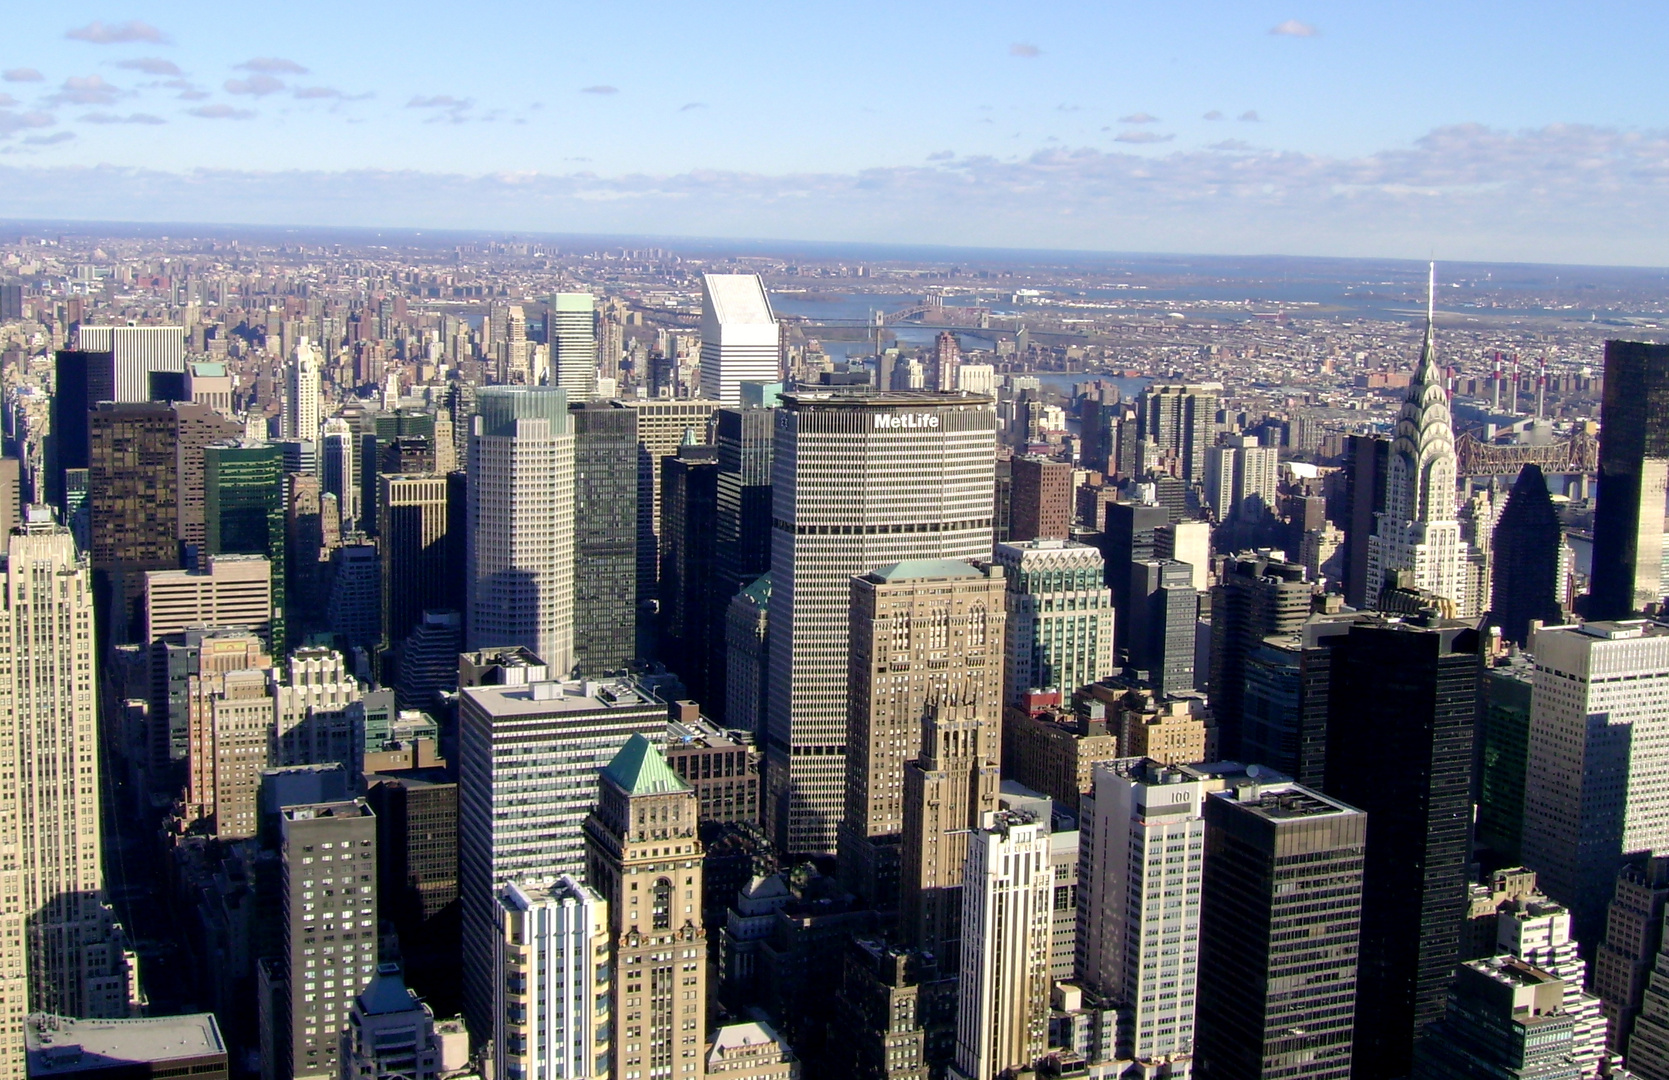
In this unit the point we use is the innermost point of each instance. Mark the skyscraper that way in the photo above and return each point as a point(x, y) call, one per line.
point(80, 381)
point(1280, 906)
point(329, 927)
point(138, 351)
point(662, 427)
point(1366, 461)
point(926, 635)
point(850, 495)
point(947, 362)
point(1402, 703)
point(337, 473)
point(528, 760)
point(1633, 479)
point(420, 554)
point(1059, 633)
point(605, 536)
point(301, 394)
point(1525, 559)
point(743, 438)
point(1503, 1018)
point(55, 913)
point(1241, 476)
point(1041, 501)
point(1163, 615)
point(133, 483)
point(644, 857)
point(553, 951)
point(572, 334)
point(1181, 423)
point(1002, 1019)
point(520, 539)
point(1417, 530)
point(1257, 597)
point(691, 614)
point(1597, 781)
point(739, 336)
point(243, 486)
point(229, 722)
point(1129, 539)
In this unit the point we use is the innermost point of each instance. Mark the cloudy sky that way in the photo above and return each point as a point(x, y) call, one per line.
point(1465, 130)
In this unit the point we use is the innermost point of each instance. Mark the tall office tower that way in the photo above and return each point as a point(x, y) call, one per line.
point(743, 437)
point(1041, 503)
point(328, 856)
point(1503, 1018)
point(314, 722)
point(417, 848)
point(1258, 597)
point(229, 722)
point(1002, 1019)
point(139, 351)
point(948, 790)
point(520, 537)
point(642, 855)
point(1367, 460)
point(354, 612)
point(1525, 559)
point(605, 536)
point(745, 623)
point(1647, 1050)
point(849, 494)
point(54, 911)
point(1537, 931)
point(551, 956)
point(1633, 478)
point(1164, 611)
point(690, 612)
point(571, 332)
point(196, 427)
point(1181, 423)
point(926, 638)
point(739, 336)
point(514, 354)
point(1129, 540)
point(133, 494)
point(947, 362)
point(243, 510)
point(1141, 845)
point(420, 554)
point(1402, 702)
point(1241, 476)
point(390, 1032)
point(80, 381)
point(301, 394)
point(1280, 906)
point(1598, 773)
point(11, 494)
point(1633, 936)
point(528, 759)
point(1503, 754)
point(662, 427)
point(336, 466)
point(1189, 542)
point(1417, 530)
point(1059, 634)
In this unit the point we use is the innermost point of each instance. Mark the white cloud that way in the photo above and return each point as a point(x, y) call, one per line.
point(1025, 51)
point(1250, 116)
point(600, 89)
point(13, 122)
point(21, 75)
point(1142, 137)
point(1214, 114)
point(272, 65)
point(151, 65)
point(219, 111)
point(99, 33)
point(1139, 118)
point(255, 85)
point(113, 118)
point(1294, 28)
point(85, 90)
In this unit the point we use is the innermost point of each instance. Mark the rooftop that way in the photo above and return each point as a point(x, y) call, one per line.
point(925, 568)
point(61, 1045)
point(859, 397)
point(639, 769)
point(738, 299)
point(547, 698)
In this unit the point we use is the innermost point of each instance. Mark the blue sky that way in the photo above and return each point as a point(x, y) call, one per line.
point(1495, 130)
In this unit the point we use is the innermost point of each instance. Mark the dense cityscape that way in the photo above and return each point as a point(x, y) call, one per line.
point(515, 657)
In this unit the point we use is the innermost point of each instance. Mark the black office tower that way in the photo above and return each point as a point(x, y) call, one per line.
point(744, 438)
point(1366, 458)
point(80, 381)
point(1127, 542)
point(1256, 598)
point(1164, 611)
point(1280, 904)
point(1524, 577)
point(605, 536)
point(1402, 707)
point(690, 617)
point(1633, 470)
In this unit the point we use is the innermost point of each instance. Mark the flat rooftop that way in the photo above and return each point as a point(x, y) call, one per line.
point(61, 1045)
point(547, 698)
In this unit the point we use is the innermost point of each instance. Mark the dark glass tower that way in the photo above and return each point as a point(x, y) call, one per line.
point(1633, 472)
point(605, 536)
point(1402, 708)
point(743, 438)
point(1257, 597)
point(1128, 542)
point(690, 614)
point(1366, 460)
point(243, 489)
point(1525, 576)
point(1164, 609)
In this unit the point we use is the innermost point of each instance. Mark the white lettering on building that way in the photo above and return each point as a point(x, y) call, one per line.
point(907, 420)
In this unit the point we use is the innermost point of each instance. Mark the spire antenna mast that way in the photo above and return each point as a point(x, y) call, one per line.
point(1431, 291)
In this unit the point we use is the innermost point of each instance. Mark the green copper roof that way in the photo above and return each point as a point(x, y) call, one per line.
point(760, 591)
point(640, 769)
point(926, 568)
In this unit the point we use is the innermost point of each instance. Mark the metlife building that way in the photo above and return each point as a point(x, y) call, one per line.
point(861, 480)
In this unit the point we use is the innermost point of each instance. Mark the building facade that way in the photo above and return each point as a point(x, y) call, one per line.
point(552, 952)
point(1059, 633)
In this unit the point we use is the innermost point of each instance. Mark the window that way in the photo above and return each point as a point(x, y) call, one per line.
point(661, 906)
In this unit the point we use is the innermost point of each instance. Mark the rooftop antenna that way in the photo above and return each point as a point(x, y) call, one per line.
point(1431, 291)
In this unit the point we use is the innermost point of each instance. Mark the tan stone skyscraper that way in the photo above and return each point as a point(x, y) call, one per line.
point(926, 634)
point(230, 711)
point(51, 872)
point(643, 856)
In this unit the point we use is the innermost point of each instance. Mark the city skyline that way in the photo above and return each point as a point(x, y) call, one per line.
point(1442, 132)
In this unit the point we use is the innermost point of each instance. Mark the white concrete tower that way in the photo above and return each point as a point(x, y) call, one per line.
point(738, 336)
point(301, 395)
point(1419, 530)
point(519, 577)
point(572, 334)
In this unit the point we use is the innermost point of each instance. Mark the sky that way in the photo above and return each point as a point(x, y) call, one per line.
point(1523, 131)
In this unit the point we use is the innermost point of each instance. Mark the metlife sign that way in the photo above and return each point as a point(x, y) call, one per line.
point(907, 420)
